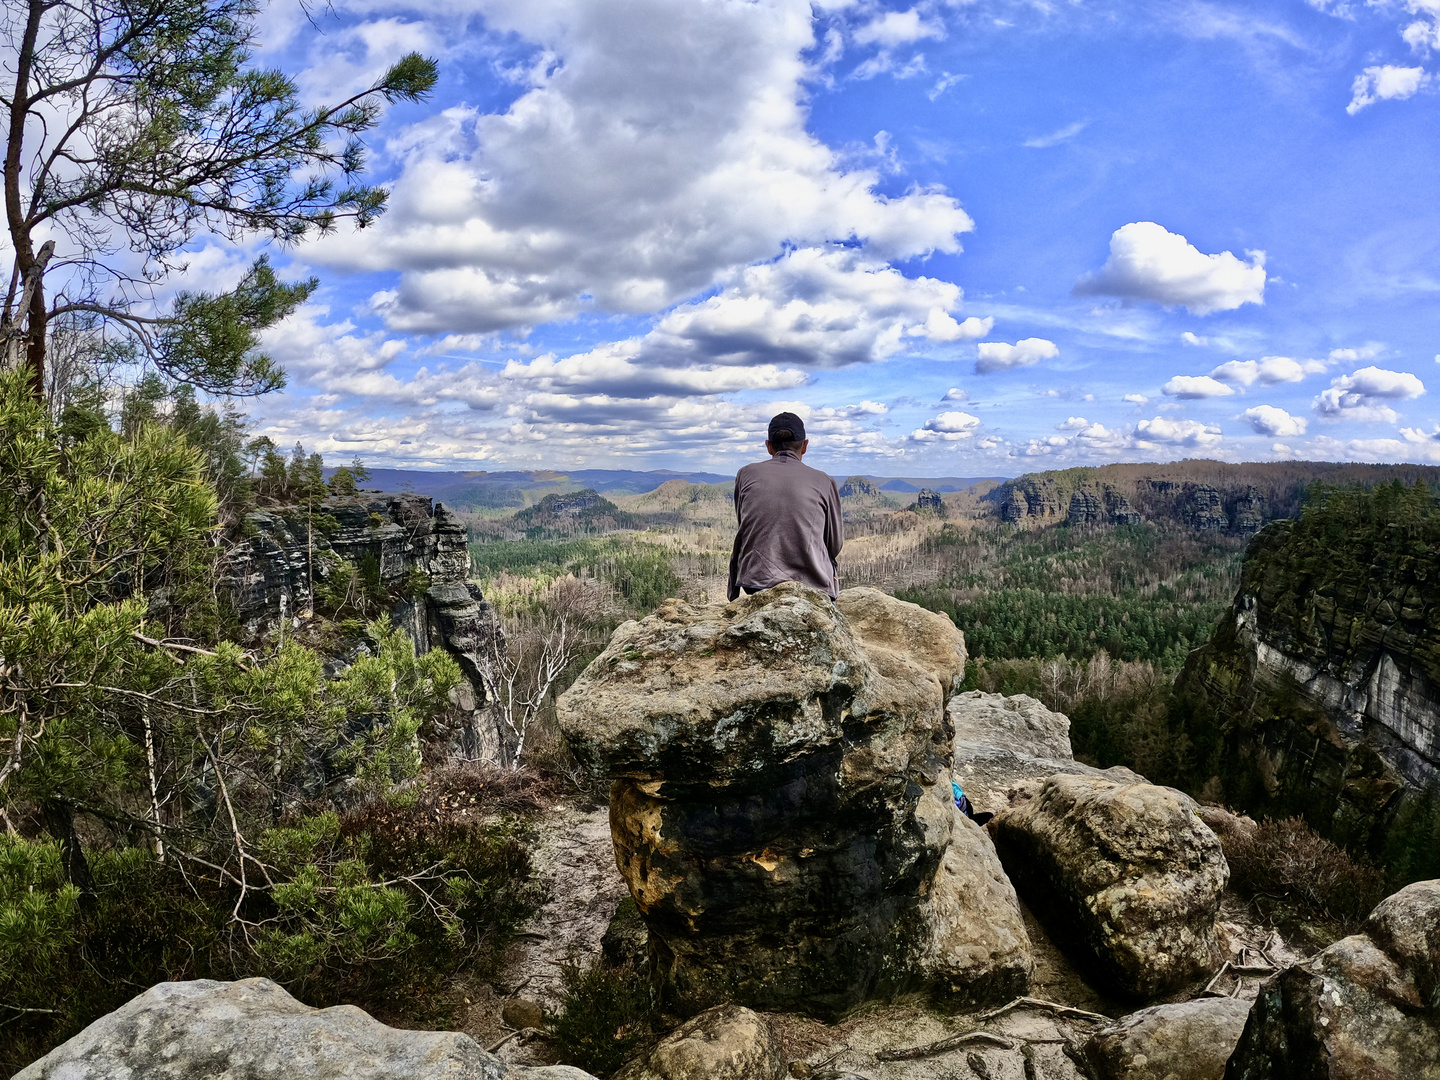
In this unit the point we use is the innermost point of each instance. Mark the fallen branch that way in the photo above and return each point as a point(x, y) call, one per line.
point(175, 646)
point(1049, 1006)
point(1210, 986)
point(522, 1032)
point(944, 1046)
point(1227, 968)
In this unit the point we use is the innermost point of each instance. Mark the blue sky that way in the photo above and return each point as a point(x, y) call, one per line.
point(961, 238)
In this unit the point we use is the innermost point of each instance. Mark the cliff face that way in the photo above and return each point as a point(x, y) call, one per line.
point(416, 548)
point(1078, 497)
point(1319, 690)
point(1203, 495)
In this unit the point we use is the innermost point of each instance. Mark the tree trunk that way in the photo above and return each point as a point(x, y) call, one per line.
point(14, 212)
point(35, 336)
point(60, 821)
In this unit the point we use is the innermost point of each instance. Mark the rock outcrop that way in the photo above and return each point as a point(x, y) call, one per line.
point(728, 1042)
point(254, 1030)
point(1005, 744)
point(858, 486)
point(780, 803)
point(1319, 690)
point(413, 549)
point(1366, 1008)
point(1208, 496)
point(928, 501)
point(1128, 873)
point(1203, 508)
point(1085, 509)
point(1189, 1040)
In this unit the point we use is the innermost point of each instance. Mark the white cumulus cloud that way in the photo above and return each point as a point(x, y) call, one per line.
point(898, 28)
point(1001, 356)
point(1385, 82)
point(660, 149)
point(1148, 262)
point(1274, 422)
point(1267, 371)
point(1362, 394)
point(816, 307)
point(1351, 356)
point(1190, 387)
point(947, 427)
point(1163, 432)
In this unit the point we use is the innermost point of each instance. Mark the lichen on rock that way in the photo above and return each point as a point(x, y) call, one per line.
point(728, 1042)
point(780, 803)
point(1187, 1040)
point(253, 1030)
point(1128, 873)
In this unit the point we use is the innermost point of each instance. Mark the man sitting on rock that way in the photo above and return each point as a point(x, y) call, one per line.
point(789, 515)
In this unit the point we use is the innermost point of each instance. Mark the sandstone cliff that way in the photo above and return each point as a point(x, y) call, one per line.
point(1202, 495)
point(1319, 690)
point(417, 552)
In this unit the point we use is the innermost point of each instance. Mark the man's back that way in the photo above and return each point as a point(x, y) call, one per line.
point(789, 526)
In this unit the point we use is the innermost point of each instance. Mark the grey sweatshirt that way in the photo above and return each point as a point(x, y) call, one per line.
point(790, 526)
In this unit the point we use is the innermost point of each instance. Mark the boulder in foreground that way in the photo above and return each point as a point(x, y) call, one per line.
point(1128, 872)
point(254, 1030)
point(728, 1042)
point(1190, 1040)
point(1006, 742)
point(1366, 1008)
point(780, 803)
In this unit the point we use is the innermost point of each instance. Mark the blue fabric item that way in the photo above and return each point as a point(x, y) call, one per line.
point(961, 802)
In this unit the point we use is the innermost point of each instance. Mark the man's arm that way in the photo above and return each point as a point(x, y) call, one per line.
point(834, 530)
point(732, 588)
point(834, 522)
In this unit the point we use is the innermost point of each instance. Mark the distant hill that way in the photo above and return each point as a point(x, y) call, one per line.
point(1206, 495)
point(514, 490)
point(911, 484)
point(481, 490)
point(572, 513)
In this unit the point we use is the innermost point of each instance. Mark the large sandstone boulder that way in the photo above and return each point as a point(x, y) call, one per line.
point(728, 1042)
point(1363, 1009)
point(1003, 742)
point(1126, 872)
point(254, 1030)
point(780, 802)
point(1190, 1040)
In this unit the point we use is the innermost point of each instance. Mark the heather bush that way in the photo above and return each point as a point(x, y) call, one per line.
point(1288, 861)
point(604, 1016)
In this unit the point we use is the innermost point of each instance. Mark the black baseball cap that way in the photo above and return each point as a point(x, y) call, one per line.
point(787, 421)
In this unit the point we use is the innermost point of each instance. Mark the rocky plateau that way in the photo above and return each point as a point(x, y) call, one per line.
point(812, 903)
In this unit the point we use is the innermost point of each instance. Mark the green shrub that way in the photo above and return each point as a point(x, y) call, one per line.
point(604, 1014)
point(378, 906)
point(63, 963)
